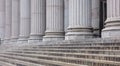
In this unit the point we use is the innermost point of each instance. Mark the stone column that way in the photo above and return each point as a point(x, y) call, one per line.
point(8, 18)
point(66, 14)
point(55, 22)
point(2, 20)
point(24, 21)
point(95, 17)
point(79, 20)
point(15, 20)
point(38, 20)
point(112, 24)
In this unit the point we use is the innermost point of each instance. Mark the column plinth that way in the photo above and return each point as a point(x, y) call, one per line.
point(79, 20)
point(112, 24)
point(38, 20)
point(55, 20)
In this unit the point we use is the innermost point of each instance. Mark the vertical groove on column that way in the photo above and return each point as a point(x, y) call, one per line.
point(112, 26)
point(108, 8)
point(66, 14)
point(55, 22)
point(15, 20)
point(79, 20)
point(117, 11)
point(8, 18)
point(111, 4)
point(2, 19)
point(38, 14)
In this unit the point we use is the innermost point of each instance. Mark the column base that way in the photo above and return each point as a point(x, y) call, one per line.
point(22, 40)
point(35, 38)
point(112, 28)
point(78, 33)
point(6, 41)
point(112, 32)
point(13, 40)
point(77, 36)
point(2, 41)
point(54, 36)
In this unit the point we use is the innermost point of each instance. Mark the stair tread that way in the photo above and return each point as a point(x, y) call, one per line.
point(71, 58)
point(37, 52)
point(16, 62)
point(74, 51)
point(42, 60)
point(2, 63)
point(68, 49)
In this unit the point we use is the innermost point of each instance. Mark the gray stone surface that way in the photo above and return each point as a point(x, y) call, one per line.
point(38, 20)
point(25, 20)
point(112, 24)
point(54, 20)
point(79, 20)
point(15, 20)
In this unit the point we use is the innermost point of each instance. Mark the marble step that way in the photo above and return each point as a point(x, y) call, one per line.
point(73, 45)
point(91, 51)
point(82, 42)
point(76, 47)
point(79, 44)
point(36, 46)
point(18, 62)
point(63, 59)
point(2, 63)
point(77, 55)
point(39, 61)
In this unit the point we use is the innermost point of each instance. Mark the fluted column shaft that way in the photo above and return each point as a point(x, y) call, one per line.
point(38, 20)
point(95, 17)
point(15, 20)
point(2, 20)
point(55, 22)
point(79, 20)
point(8, 20)
point(112, 24)
point(66, 14)
point(24, 21)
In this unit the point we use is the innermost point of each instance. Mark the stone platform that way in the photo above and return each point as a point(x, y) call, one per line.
point(86, 52)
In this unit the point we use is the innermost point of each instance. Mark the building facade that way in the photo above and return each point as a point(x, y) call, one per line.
point(28, 21)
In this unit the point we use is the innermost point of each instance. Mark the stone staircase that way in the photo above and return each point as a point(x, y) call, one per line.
point(96, 52)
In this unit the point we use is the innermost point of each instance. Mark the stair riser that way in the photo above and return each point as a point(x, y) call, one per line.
point(71, 51)
point(65, 60)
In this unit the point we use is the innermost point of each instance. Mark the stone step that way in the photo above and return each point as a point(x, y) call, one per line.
point(18, 62)
point(78, 44)
point(83, 42)
point(76, 55)
point(39, 61)
point(91, 51)
point(2, 63)
point(36, 46)
point(77, 47)
point(65, 59)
